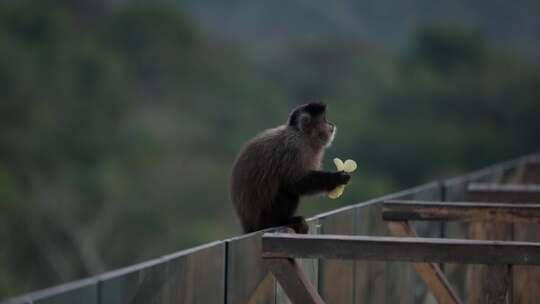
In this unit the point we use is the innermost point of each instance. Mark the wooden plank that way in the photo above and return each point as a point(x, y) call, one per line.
point(429, 272)
point(461, 211)
point(510, 193)
point(498, 284)
point(527, 173)
point(400, 249)
point(455, 190)
point(477, 276)
point(294, 281)
point(465, 278)
point(526, 278)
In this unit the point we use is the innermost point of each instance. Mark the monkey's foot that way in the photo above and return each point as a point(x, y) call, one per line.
point(299, 224)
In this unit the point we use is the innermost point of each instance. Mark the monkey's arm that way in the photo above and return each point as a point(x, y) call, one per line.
point(320, 181)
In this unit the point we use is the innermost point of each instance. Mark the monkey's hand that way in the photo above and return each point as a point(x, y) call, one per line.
point(343, 167)
point(342, 178)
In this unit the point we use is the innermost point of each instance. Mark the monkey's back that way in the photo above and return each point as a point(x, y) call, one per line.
point(265, 166)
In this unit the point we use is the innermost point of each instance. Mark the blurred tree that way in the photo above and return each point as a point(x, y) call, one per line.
point(448, 48)
point(109, 129)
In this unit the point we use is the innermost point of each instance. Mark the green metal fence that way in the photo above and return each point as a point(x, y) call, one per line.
point(231, 270)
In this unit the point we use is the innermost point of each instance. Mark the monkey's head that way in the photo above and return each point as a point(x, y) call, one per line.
point(310, 120)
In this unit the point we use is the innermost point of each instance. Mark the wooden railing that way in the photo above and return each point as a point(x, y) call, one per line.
point(279, 250)
point(232, 270)
point(498, 283)
point(496, 286)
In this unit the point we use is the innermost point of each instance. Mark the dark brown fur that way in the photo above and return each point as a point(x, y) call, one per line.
point(279, 165)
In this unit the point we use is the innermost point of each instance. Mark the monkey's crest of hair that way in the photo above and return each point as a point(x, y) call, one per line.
point(270, 169)
point(313, 109)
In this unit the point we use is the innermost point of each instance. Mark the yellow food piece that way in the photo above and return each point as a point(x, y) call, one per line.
point(339, 164)
point(337, 192)
point(348, 166)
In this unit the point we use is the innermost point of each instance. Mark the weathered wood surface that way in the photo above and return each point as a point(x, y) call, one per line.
point(461, 211)
point(294, 281)
point(429, 272)
point(521, 188)
point(498, 284)
point(281, 245)
point(527, 278)
point(477, 275)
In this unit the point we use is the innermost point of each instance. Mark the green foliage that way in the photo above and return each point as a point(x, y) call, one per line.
point(448, 48)
point(118, 126)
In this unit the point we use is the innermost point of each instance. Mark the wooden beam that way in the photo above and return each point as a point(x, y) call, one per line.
point(510, 193)
point(278, 245)
point(498, 284)
point(429, 272)
point(486, 284)
point(293, 281)
point(395, 210)
point(525, 278)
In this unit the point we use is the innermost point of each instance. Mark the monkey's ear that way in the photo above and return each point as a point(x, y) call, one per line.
point(303, 122)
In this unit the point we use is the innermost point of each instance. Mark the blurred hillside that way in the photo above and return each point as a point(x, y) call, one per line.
point(119, 122)
point(266, 26)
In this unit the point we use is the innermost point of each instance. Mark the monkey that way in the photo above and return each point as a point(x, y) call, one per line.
point(278, 166)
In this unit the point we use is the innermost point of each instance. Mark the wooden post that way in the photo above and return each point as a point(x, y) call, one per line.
point(477, 289)
point(525, 190)
point(293, 281)
point(526, 279)
point(498, 284)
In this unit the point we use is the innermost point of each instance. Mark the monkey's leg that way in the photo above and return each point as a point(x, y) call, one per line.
point(320, 181)
point(299, 224)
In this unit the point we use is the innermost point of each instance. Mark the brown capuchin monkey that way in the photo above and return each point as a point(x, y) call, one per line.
point(281, 164)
